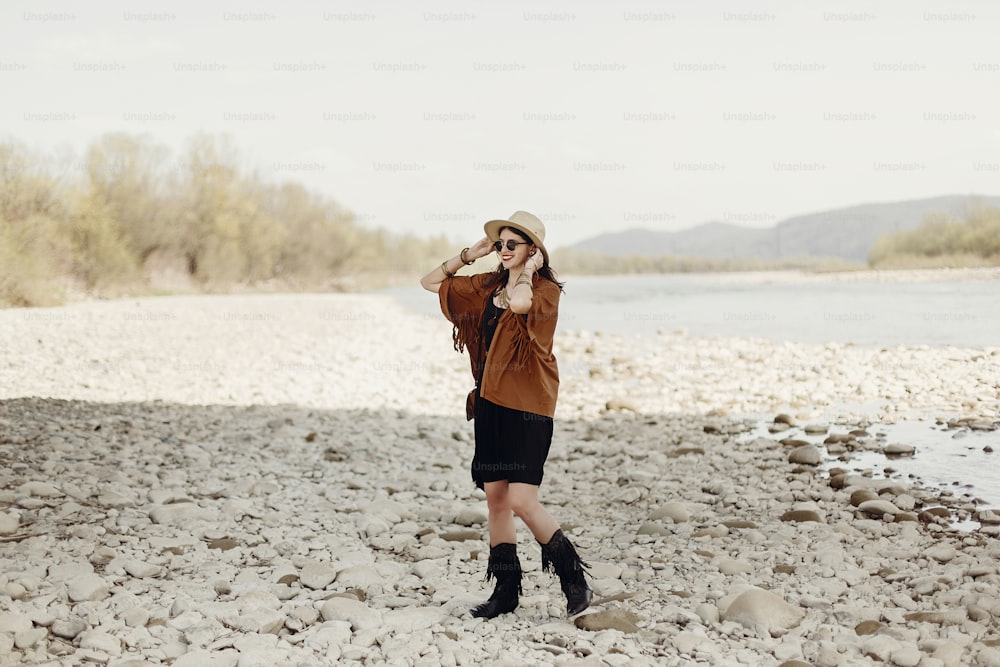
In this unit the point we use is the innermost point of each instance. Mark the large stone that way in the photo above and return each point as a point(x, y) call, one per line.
point(28, 638)
point(14, 623)
point(807, 455)
point(317, 576)
point(762, 611)
point(8, 524)
point(101, 641)
point(359, 576)
point(259, 621)
point(39, 490)
point(68, 628)
point(676, 512)
point(87, 588)
point(942, 553)
point(180, 514)
point(609, 619)
point(410, 620)
point(878, 507)
point(358, 614)
point(142, 570)
point(471, 516)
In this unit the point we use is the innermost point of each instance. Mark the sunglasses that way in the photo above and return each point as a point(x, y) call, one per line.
point(511, 244)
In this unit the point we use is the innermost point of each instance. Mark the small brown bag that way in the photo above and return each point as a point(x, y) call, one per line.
point(470, 405)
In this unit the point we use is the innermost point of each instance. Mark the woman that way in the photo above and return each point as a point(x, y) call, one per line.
point(506, 320)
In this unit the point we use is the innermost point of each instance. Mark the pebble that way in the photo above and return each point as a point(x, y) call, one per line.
point(806, 455)
point(609, 619)
point(760, 610)
point(87, 588)
point(8, 524)
point(317, 575)
point(878, 507)
point(676, 512)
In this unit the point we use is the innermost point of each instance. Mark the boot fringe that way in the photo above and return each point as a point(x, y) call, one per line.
point(559, 556)
point(504, 565)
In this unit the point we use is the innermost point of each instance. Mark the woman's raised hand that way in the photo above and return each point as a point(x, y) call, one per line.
point(482, 248)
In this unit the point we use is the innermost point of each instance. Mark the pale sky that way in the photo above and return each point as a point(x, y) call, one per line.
point(434, 117)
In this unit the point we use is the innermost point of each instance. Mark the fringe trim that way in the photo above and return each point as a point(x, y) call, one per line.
point(504, 566)
point(464, 332)
point(560, 557)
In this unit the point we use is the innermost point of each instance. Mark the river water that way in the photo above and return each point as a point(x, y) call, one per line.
point(959, 313)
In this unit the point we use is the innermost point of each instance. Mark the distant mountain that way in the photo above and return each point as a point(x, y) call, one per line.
point(848, 233)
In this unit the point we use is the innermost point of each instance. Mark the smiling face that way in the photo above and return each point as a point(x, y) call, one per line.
point(519, 255)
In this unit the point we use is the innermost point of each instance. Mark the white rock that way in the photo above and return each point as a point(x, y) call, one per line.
point(690, 642)
point(730, 567)
point(140, 570)
point(14, 623)
point(6, 644)
point(605, 571)
point(880, 647)
point(899, 449)
point(359, 576)
point(68, 628)
point(136, 617)
point(428, 570)
point(412, 619)
point(87, 588)
point(878, 507)
point(317, 576)
point(908, 656)
point(260, 621)
point(676, 512)
point(708, 613)
point(8, 524)
point(471, 516)
point(39, 490)
point(760, 610)
point(69, 571)
point(358, 614)
point(101, 641)
point(942, 553)
point(950, 653)
point(28, 638)
point(329, 633)
point(179, 514)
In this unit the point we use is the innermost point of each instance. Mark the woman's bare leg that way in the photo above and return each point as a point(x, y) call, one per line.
point(501, 524)
point(522, 499)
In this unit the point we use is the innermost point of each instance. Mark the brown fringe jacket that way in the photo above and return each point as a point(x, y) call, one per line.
point(519, 371)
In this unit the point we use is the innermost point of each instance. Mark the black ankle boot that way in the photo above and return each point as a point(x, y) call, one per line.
point(560, 557)
point(505, 567)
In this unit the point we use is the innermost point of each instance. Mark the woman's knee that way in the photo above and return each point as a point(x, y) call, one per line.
point(524, 506)
point(498, 500)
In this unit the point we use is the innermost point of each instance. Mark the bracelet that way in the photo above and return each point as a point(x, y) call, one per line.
point(444, 270)
point(461, 256)
point(523, 280)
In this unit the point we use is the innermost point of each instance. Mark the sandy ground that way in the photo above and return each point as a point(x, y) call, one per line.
point(283, 480)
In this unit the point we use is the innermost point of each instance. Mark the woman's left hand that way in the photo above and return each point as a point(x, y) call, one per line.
point(533, 263)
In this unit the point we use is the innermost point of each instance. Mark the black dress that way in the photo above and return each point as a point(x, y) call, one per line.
point(511, 444)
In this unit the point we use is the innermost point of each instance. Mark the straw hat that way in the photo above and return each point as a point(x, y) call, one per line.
point(524, 222)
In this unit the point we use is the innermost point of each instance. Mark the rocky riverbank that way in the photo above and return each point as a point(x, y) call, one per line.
point(284, 480)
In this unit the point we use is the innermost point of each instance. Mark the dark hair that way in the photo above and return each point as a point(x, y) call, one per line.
point(500, 275)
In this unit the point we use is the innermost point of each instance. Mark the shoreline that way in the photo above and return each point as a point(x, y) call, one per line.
point(285, 477)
